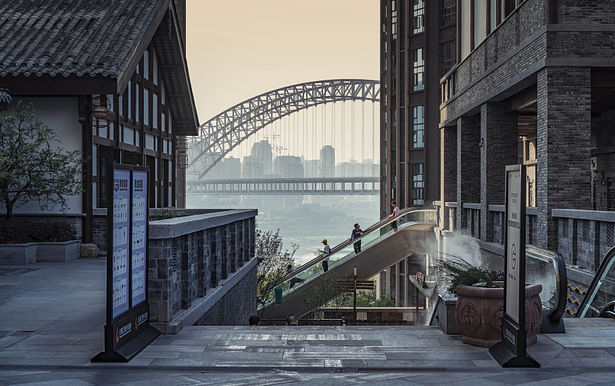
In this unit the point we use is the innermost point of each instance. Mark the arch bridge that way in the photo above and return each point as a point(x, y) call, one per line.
point(222, 133)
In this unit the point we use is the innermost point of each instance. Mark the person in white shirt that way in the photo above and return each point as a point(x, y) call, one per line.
point(325, 252)
point(394, 213)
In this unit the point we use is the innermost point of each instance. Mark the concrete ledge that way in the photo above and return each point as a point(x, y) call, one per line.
point(471, 205)
point(531, 211)
point(180, 226)
point(594, 215)
point(200, 306)
point(495, 248)
point(447, 307)
point(496, 208)
point(58, 251)
point(18, 254)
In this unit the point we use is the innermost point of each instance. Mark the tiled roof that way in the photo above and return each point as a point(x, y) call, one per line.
point(92, 47)
point(72, 37)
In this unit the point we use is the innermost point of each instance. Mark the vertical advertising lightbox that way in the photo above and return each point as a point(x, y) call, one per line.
point(127, 329)
point(511, 351)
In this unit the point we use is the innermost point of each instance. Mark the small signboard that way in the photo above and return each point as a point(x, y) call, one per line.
point(127, 330)
point(511, 351)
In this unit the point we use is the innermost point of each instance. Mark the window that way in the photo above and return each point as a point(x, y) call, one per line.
point(393, 20)
point(447, 57)
point(418, 12)
point(150, 142)
point(418, 127)
point(448, 13)
point(129, 136)
point(137, 103)
point(155, 110)
point(418, 69)
point(146, 64)
point(145, 106)
point(129, 92)
point(155, 69)
point(418, 184)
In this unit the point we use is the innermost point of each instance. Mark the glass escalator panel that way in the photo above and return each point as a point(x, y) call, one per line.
point(345, 250)
point(600, 298)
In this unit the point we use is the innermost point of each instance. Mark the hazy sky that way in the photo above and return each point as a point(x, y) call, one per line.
point(238, 49)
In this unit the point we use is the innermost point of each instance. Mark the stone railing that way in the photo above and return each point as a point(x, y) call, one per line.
point(470, 219)
point(584, 236)
point(201, 265)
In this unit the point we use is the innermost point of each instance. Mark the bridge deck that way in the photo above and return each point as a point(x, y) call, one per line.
point(312, 186)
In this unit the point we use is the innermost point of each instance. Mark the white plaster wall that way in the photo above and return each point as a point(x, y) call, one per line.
point(62, 115)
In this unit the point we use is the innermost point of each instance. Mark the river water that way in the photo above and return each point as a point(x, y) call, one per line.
point(303, 220)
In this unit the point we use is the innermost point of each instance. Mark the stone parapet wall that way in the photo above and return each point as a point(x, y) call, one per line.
point(236, 305)
point(192, 257)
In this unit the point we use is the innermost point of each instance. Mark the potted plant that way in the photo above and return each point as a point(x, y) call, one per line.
point(480, 303)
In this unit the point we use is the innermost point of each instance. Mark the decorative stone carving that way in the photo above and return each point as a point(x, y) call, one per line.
point(480, 310)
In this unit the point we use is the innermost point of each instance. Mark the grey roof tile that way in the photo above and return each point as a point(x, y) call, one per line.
point(71, 37)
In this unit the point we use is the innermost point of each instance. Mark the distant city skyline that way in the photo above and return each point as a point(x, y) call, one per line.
point(237, 50)
point(262, 162)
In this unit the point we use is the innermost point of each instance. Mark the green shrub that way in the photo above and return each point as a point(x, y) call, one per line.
point(460, 272)
point(18, 233)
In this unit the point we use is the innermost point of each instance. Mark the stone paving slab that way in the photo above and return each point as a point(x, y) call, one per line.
point(52, 325)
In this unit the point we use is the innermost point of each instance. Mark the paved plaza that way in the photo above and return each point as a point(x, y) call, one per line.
point(52, 324)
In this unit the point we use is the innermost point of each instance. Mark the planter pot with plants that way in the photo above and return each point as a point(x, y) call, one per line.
point(480, 304)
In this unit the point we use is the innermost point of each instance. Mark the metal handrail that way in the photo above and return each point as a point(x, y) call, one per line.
point(607, 262)
point(347, 242)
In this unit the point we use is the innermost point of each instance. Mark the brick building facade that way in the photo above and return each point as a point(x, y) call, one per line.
point(417, 49)
point(533, 84)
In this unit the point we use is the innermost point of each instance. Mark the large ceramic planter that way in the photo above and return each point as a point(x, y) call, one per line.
point(480, 310)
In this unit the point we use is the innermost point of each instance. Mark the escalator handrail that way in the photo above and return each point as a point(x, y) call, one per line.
point(385, 221)
point(561, 277)
point(593, 287)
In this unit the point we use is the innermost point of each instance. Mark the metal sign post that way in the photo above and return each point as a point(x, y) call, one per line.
point(511, 351)
point(127, 329)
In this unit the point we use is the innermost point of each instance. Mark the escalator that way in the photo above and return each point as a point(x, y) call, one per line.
point(308, 287)
point(599, 302)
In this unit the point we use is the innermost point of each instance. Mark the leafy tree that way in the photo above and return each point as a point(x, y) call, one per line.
point(274, 262)
point(32, 165)
point(325, 290)
point(365, 298)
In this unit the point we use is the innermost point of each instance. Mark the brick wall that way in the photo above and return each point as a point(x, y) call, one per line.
point(499, 137)
point(585, 11)
point(468, 164)
point(563, 146)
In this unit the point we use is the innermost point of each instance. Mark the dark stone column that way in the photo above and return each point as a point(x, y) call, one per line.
point(220, 250)
point(563, 146)
point(468, 164)
point(448, 170)
point(498, 149)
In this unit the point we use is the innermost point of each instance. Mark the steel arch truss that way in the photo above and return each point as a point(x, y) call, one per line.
point(221, 134)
